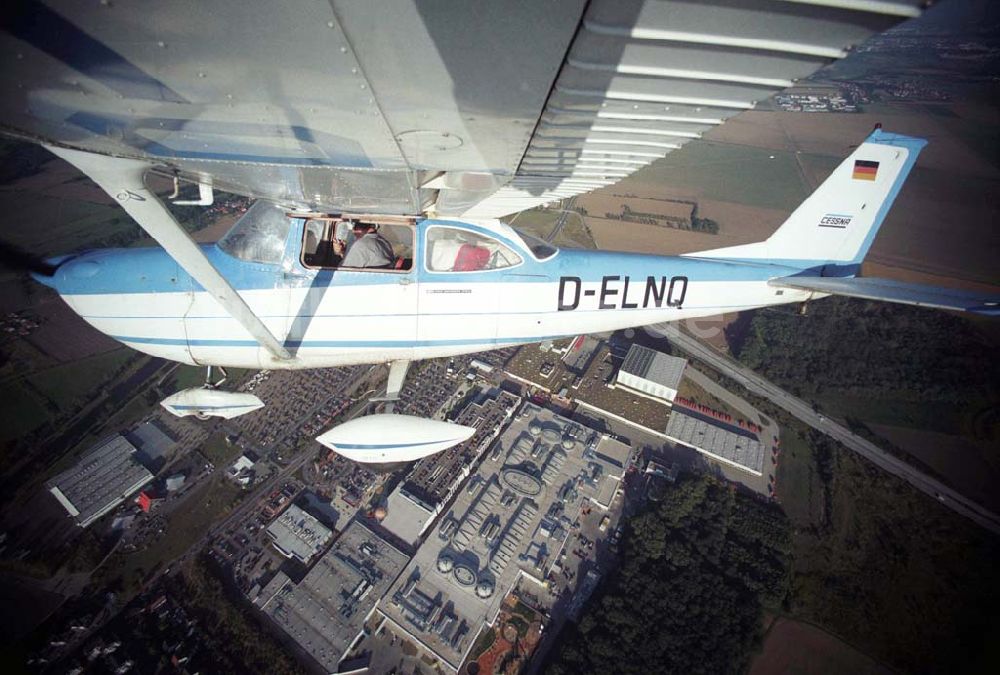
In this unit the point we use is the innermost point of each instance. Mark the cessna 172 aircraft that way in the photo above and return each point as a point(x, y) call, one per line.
point(427, 121)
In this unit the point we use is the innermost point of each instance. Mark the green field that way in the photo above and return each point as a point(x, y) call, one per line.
point(70, 384)
point(218, 451)
point(727, 172)
point(186, 525)
point(21, 411)
point(48, 225)
point(798, 485)
point(184, 377)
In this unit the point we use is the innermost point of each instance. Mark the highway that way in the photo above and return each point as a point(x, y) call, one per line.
point(563, 217)
point(804, 412)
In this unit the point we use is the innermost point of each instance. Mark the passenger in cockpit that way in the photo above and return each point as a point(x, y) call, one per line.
point(370, 249)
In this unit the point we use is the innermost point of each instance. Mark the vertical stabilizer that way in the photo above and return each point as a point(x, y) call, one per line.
point(837, 223)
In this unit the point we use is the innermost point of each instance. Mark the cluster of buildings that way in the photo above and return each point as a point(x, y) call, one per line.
point(437, 560)
point(815, 102)
point(507, 525)
point(505, 512)
point(102, 479)
point(642, 390)
point(326, 611)
point(17, 324)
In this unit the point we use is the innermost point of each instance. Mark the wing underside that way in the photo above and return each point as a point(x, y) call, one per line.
point(456, 108)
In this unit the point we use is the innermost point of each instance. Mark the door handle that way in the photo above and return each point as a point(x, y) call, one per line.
point(405, 281)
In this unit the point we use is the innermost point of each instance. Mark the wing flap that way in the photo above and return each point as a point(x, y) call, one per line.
point(888, 290)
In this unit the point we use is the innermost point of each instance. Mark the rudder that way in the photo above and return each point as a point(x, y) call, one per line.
point(838, 222)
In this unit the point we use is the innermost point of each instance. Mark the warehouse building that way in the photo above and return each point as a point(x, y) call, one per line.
point(154, 444)
point(732, 446)
point(298, 535)
point(325, 613)
point(103, 479)
point(650, 373)
point(508, 523)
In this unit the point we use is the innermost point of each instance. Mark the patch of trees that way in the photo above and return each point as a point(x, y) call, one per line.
point(240, 641)
point(862, 348)
point(698, 568)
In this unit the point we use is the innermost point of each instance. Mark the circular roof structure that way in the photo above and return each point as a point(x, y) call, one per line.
point(568, 443)
point(521, 481)
point(535, 429)
point(445, 563)
point(464, 575)
point(484, 589)
point(551, 436)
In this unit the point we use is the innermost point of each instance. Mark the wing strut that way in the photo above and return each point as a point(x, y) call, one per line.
point(123, 179)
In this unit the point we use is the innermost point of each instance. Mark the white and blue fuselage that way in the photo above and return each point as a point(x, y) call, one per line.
point(335, 317)
point(511, 289)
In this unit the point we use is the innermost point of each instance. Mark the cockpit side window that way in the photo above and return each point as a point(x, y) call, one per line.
point(259, 236)
point(327, 243)
point(452, 249)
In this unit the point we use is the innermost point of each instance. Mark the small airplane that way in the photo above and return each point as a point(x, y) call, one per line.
point(456, 286)
point(412, 131)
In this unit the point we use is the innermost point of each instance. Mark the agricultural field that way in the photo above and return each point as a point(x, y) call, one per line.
point(797, 647)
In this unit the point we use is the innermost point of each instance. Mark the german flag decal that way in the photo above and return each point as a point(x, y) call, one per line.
point(864, 169)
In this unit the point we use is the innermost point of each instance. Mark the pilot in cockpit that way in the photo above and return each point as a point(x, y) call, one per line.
point(369, 249)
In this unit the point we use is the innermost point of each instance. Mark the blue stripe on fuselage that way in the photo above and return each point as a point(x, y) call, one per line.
point(151, 270)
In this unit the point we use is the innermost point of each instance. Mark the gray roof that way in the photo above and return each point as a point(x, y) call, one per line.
point(327, 609)
point(299, 534)
point(654, 366)
point(735, 447)
point(153, 441)
point(101, 480)
point(581, 352)
point(406, 515)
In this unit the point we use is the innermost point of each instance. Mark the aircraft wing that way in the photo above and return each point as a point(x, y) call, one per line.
point(407, 106)
point(887, 290)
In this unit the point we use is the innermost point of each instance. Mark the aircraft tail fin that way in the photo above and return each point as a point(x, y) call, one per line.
point(837, 223)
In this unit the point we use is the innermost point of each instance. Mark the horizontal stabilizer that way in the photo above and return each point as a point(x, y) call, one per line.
point(887, 290)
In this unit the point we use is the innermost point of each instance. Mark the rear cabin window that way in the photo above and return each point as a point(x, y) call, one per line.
point(451, 249)
point(388, 248)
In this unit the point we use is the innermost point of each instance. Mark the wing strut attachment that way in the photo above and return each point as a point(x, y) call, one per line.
point(397, 375)
point(122, 178)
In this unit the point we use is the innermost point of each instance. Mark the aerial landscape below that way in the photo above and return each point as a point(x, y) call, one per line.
point(362, 483)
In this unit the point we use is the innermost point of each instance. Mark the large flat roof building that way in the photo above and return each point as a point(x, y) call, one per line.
point(407, 515)
point(651, 373)
point(100, 481)
point(298, 535)
point(508, 522)
point(152, 441)
point(732, 446)
point(325, 613)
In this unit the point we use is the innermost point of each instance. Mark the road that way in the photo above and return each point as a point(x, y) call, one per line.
point(563, 217)
point(804, 412)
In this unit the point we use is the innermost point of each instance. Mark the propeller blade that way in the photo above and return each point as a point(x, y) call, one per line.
point(20, 260)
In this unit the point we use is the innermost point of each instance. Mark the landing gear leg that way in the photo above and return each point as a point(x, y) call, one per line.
point(208, 378)
point(397, 376)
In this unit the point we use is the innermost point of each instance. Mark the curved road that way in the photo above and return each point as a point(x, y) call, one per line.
point(804, 411)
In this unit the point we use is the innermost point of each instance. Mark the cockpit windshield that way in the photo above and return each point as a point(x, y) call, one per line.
point(540, 249)
point(259, 236)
